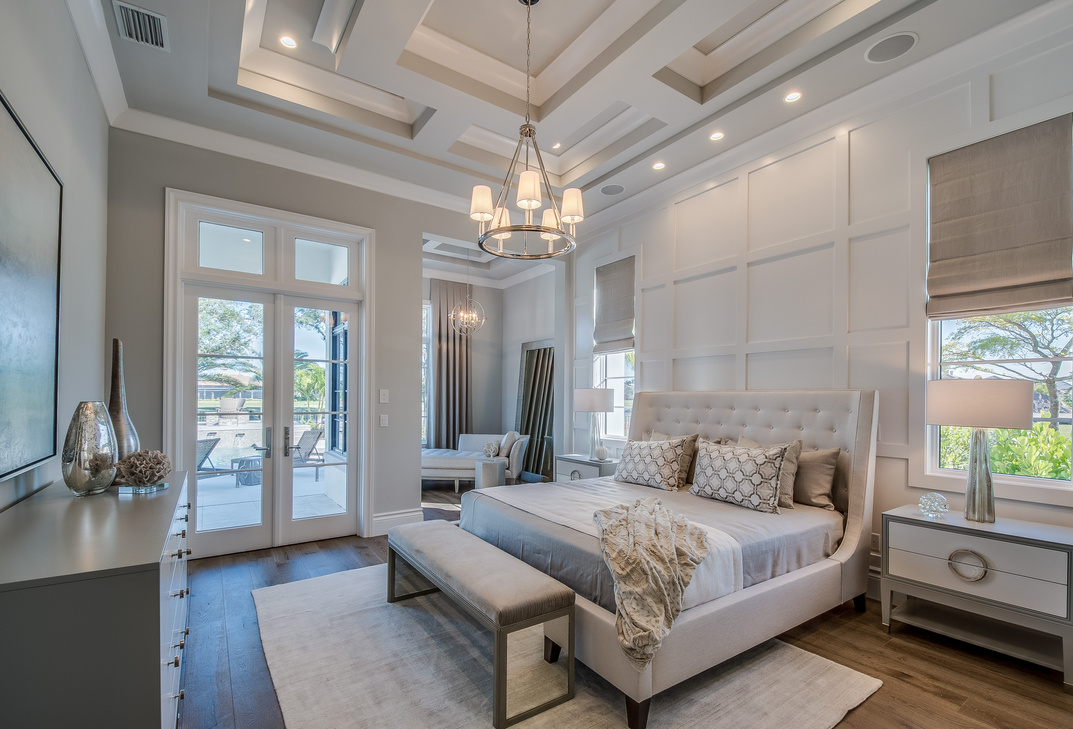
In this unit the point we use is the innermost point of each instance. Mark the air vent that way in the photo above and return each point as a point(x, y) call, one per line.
point(141, 26)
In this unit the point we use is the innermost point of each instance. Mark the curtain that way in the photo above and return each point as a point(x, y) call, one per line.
point(1002, 223)
point(613, 325)
point(535, 414)
point(450, 413)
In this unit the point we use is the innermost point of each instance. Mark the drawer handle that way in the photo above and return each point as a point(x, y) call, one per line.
point(181, 593)
point(951, 561)
point(181, 695)
point(180, 645)
point(174, 662)
point(575, 475)
point(184, 517)
point(180, 534)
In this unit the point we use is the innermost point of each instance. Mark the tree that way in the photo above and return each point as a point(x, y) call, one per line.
point(1042, 335)
point(229, 329)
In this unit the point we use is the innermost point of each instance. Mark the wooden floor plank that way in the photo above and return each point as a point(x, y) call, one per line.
point(929, 682)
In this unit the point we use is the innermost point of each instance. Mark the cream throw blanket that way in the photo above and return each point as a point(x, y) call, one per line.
point(652, 553)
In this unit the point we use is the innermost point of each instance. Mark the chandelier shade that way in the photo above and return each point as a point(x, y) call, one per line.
point(555, 234)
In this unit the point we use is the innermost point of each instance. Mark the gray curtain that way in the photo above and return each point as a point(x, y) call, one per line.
point(613, 310)
point(535, 413)
point(1002, 223)
point(450, 413)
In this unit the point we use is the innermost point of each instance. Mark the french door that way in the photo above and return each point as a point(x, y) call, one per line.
point(270, 393)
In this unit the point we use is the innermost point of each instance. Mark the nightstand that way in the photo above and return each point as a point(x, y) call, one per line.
point(573, 466)
point(1003, 586)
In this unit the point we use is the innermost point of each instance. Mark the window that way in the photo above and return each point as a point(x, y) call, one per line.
point(614, 370)
point(426, 369)
point(1031, 345)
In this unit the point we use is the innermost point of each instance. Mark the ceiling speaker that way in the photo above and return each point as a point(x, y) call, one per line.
point(891, 47)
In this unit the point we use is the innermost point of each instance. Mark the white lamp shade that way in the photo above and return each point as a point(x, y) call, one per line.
point(980, 403)
point(480, 205)
point(529, 190)
point(549, 221)
point(573, 212)
point(501, 220)
point(594, 400)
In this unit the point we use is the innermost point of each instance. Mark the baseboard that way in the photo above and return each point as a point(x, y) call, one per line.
point(382, 522)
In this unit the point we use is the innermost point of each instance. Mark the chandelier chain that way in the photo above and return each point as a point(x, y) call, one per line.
point(528, 35)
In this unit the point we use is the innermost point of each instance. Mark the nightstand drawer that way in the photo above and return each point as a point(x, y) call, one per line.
point(1002, 587)
point(1011, 558)
point(565, 471)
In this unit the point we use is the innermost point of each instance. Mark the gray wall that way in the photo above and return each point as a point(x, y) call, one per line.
point(141, 167)
point(487, 354)
point(529, 316)
point(44, 77)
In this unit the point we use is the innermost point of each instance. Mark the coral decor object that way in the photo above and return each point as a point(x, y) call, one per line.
point(144, 468)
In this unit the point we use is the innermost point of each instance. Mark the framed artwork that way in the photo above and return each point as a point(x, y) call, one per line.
point(31, 196)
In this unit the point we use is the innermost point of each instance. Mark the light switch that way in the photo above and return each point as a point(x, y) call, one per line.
point(383, 396)
point(383, 421)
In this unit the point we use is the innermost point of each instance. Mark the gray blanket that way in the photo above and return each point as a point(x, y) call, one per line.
point(651, 553)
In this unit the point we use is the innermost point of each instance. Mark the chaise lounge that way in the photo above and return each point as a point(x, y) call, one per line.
point(461, 464)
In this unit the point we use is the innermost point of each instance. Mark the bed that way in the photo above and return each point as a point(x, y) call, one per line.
point(784, 581)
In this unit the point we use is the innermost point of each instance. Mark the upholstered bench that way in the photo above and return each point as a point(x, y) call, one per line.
point(504, 594)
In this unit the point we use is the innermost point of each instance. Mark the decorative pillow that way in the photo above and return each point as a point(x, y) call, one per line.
point(747, 477)
point(491, 450)
point(788, 472)
point(507, 443)
point(656, 463)
point(691, 452)
point(815, 482)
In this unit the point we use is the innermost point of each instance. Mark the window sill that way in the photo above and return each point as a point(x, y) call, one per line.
point(1010, 488)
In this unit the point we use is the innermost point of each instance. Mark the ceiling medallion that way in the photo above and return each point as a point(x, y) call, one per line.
point(554, 236)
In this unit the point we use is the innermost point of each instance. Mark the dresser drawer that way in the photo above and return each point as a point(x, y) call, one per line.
point(567, 471)
point(1025, 560)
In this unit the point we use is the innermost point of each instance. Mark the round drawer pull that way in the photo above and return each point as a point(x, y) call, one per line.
point(575, 475)
point(974, 573)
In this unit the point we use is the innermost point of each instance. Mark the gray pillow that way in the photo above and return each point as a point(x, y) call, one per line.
point(654, 463)
point(747, 477)
point(788, 472)
point(814, 485)
point(507, 443)
point(691, 447)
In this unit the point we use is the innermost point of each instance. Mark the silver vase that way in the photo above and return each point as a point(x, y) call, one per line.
point(126, 435)
point(89, 450)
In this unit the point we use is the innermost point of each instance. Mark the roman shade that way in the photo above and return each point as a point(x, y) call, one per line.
point(613, 330)
point(1002, 223)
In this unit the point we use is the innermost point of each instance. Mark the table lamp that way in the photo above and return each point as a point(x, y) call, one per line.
point(980, 404)
point(594, 400)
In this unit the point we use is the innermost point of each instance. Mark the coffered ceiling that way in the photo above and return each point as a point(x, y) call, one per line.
point(432, 92)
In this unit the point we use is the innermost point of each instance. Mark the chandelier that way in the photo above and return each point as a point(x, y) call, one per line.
point(554, 235)
point(467, 316)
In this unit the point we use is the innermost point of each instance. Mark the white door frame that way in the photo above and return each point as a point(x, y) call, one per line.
point(181, 215)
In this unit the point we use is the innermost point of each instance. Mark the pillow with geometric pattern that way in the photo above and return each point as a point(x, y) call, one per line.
point(656, 463)
point(739, 475)
point(787, 473)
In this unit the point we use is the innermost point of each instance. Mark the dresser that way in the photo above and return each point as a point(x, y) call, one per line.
point(1003, 586)
point(93, 604)
point(574, 466)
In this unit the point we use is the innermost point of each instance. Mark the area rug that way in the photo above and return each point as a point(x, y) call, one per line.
point(341, 657)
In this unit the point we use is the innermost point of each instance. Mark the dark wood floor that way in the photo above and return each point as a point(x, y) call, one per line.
point(929, 682)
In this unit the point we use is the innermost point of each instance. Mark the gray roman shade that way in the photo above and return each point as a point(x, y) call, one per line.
point(1002, 223)
point(613, 330)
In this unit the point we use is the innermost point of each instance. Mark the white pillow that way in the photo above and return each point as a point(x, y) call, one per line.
point(507, 443)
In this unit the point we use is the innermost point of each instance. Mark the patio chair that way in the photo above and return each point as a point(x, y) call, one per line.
point(204, 448)
point(304, 450)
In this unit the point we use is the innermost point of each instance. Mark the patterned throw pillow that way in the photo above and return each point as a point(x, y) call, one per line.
point(689, 453)
point(747, 477)
point(654, 463)
point(491, 450)
point(788, 472)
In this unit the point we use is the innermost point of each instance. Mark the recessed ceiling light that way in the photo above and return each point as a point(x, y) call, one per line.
point(658, 166)
point(245, 240)
point(792, 97)
point(716, 136)
point(287, 41)
point(556, 145)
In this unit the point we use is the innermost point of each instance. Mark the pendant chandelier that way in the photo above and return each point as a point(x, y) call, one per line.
point(467, 316)
point(498, 234)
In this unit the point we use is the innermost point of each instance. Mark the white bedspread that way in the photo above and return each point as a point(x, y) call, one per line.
point(719, 574)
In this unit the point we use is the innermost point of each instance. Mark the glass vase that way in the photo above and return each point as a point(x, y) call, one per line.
point(89, 450)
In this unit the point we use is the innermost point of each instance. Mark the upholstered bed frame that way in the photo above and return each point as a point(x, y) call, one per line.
point(709, 634)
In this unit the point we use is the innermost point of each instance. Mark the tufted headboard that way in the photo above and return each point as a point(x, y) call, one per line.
point(846, 419)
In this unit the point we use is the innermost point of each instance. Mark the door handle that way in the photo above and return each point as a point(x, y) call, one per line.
point(286, 441)
point(266, 449)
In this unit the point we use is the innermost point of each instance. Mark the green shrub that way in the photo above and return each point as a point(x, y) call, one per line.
point(1042, 452)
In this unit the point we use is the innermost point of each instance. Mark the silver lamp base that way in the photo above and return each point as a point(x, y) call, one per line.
point(979, 490)
point(597, 452)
